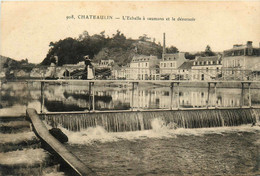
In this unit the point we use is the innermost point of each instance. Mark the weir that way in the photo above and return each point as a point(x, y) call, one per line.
point(121, 121)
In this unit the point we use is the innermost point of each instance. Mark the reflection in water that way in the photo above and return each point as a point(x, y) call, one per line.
point(76, 97)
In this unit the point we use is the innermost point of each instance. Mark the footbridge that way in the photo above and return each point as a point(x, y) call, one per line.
point(135, 85)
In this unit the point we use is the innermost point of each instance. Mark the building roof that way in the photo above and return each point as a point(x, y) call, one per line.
point(242, 50)
point(186, 65)
point(143, 58)
point(173, 56)
point(208, 58)
point(207, 61)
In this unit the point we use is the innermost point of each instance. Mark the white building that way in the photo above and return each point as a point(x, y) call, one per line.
point(121, 72)
point(184, 71)
point(241, 62)
point(206, 68)
point(144, 67)
point(170, 63)
point(106, 63)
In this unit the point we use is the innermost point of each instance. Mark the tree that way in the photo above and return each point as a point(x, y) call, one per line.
point(144, 38)
point(208, 51)
point(172, 49)
point(190, 56)
point(99, 46)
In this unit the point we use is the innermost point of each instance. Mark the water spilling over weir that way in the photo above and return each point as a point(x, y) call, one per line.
point(137, 120)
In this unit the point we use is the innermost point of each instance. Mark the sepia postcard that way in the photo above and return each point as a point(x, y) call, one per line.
point(136, 88)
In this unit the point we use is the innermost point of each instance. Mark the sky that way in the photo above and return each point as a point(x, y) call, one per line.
point(27, 28)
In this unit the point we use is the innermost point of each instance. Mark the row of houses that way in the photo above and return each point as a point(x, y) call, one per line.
point(240, 62)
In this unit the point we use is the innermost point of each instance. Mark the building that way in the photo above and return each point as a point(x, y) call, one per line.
point(121, 72)
point(206, 68)
point(144, 67)
point(184, 71)
point(106, 63)
point(241, 61)
point(170, 62)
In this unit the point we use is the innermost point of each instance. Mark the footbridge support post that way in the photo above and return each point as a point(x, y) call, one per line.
point(133, 91)
point(42, 96)
point(216, 98)
point(208, 95)
point(171, 93)
point(93, 97)
point(249, 95)
point(91, 101)
point(242, 95)
point(178, 88)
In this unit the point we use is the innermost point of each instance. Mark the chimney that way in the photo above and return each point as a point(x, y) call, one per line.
point(163, 46)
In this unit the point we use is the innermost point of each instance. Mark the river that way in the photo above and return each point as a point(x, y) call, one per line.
point(162, 149)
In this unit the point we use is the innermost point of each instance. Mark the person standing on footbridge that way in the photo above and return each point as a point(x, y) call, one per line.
point(88, 71)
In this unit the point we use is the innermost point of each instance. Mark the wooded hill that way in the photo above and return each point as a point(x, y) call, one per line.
point(8, 64)
point(99, 46)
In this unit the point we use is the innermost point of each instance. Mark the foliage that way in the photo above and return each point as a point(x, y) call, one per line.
point(10, 64)
point(99, 46)
point(208, 51)
point(172, 49)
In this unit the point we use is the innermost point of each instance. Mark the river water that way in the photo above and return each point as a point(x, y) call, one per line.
point(211, 151)
point(73, 97)
point(160, 150)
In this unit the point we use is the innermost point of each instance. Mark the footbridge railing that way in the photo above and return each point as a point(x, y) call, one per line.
point(135, 85)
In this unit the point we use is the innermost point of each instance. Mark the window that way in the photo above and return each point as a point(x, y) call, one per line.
point(161, 64)
point(171, 64)
point(146, 64)
point(205, 62)
point(164, 64)
point(207, 69)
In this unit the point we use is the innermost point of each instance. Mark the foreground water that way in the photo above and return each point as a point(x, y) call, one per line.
point(164, 151)
point(159, 150)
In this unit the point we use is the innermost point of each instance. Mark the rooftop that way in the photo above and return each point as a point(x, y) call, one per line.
point(143, 58)
point(186, 65)
point(173, 56)
point(208, 58)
